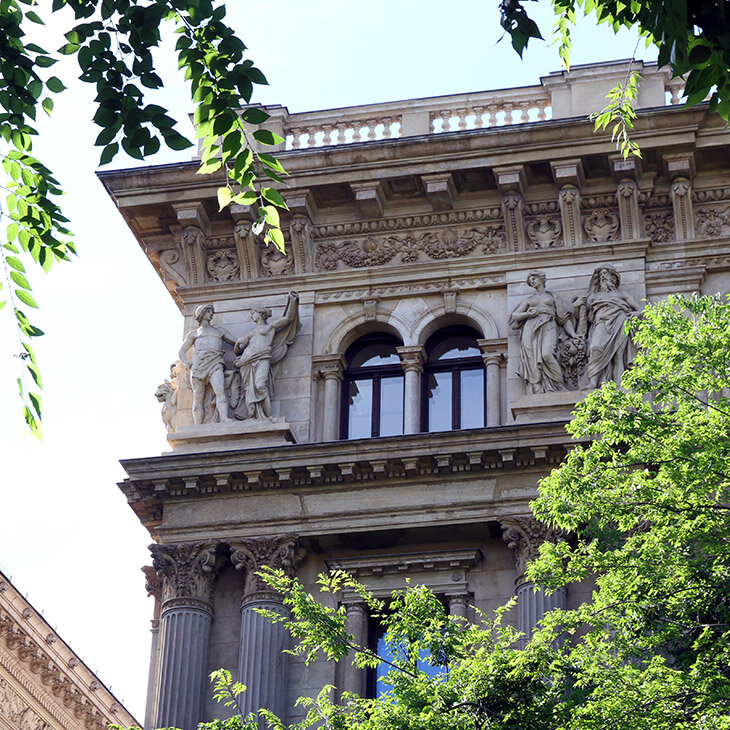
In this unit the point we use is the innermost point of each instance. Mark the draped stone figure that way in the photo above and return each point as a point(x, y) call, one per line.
point(207, 365)
point(260, 348)
point(538, 316)
point(608, 309)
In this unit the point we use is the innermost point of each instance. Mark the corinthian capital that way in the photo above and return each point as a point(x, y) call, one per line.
point(187, 570)
point(524, 535)
point(252, 554)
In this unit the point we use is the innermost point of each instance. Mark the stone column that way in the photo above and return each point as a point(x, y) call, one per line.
point(411, 358)
point(153, 585)
point(187, 572)
point(493, 354)
point(262, 662)
point(524, 535)
point(329, 368)
point(458, 605)
point(353, 679)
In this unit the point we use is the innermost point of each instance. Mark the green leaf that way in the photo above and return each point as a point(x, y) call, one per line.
point(274, 196)
point(26, 298)
point(177, 142)
point(255, 115)
point(33, 17)
point(224, 197)
point(55, 84)
point(47, 105)
point(15, 262)
point(277, 237)
point(19, 279)
point(267, 137)
point(107, 154)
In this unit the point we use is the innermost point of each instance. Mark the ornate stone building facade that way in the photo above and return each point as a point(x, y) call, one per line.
point(385, 395)
point(43, 684)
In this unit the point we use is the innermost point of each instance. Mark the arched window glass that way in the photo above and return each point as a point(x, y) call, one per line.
point(453, 381)
point(372, 392)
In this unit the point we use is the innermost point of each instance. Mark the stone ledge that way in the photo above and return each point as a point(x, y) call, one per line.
point(230, 435)
point(547, 406)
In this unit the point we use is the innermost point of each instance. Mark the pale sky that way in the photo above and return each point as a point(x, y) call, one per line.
point(67, 537)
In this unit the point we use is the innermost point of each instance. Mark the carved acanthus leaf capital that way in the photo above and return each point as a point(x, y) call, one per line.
point(187, 570)
point(252, 554)
point(524, 535)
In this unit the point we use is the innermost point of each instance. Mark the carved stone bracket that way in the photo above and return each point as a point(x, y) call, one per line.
point(187, 571)
point(627, 195)
point(569, 201)
point(300, 231)
point(252, 554)
point(524, 535)
point(512, 210)
point(681, 193)
point(246, 248)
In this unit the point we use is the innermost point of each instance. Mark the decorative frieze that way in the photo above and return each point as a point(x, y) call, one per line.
point(601, 226)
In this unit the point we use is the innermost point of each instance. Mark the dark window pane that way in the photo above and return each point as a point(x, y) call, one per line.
point(360, 409)
point(472, 398)
point(439, 401)
point(391, 406)
point(375, 355)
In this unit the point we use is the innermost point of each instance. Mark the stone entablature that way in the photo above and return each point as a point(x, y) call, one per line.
point(43, 684)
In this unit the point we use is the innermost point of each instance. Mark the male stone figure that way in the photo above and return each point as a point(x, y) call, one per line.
point(260, 348)
point(207, 365)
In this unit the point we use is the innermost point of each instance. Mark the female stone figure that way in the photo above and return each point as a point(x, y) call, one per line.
point(539, 316)
point(260, 348)
point(608, 310)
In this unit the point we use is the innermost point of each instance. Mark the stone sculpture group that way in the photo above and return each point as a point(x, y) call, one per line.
point(221, 392)
point(561, 350)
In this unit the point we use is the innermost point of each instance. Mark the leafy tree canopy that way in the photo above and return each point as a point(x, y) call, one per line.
point(646, 499)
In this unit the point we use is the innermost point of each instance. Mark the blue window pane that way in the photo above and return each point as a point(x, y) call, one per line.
point(385, 651)
point(359, 411)
point(391, 406)
point(439, 401)
point(472, 398)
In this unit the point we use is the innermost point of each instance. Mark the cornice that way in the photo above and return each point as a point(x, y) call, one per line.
point(341, 465)
point(46, 667)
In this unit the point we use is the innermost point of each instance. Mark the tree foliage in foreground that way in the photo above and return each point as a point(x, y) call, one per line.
point(112, 41)
point(647, 501)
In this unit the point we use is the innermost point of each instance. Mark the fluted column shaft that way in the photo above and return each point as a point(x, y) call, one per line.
point(412, 360)
point(262, 663)
point(152, 675)
point(533, 604)
point(184, 636)
point(353, 679)
point(188, 571)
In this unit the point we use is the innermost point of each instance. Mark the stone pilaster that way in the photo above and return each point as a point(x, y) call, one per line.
point(524, 535)
point(329, 368)
point(263, 664)
point(153, 585)
point(627, 195)
point(411, 357)
point(187, 571)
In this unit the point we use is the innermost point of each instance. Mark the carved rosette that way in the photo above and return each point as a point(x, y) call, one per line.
point(187, 571)
point(524, 535)
point(252, 554)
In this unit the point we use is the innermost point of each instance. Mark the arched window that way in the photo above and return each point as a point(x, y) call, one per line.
point(453, 381)
point(372, 388)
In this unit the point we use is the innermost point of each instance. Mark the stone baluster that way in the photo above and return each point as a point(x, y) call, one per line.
point(329, 368)
point(493, 354)
point(296, 134)
point(353, 679)
point(478, 117)
point(153, 585)
point(411, 358)
point(524, 535)
point(187, 571)
point(356, 131)
point(387, 132)
point(263, 664)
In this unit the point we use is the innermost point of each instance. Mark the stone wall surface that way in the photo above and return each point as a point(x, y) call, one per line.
point(500, 212)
